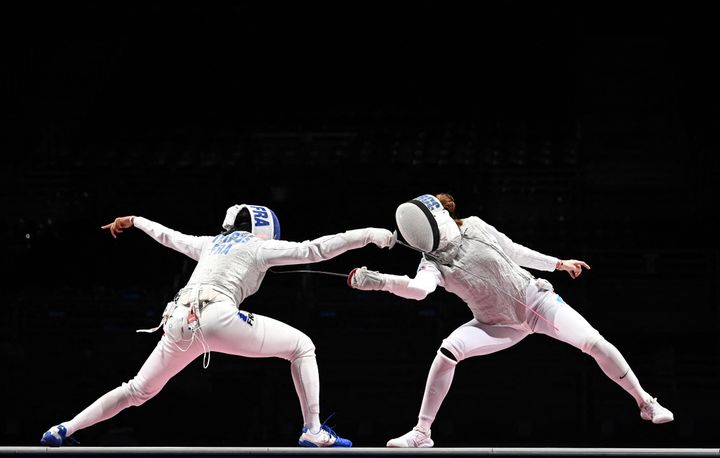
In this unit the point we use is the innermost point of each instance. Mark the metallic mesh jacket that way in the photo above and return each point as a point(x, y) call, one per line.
point(483, 268)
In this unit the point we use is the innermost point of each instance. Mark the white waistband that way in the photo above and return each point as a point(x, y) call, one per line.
point(202, 294)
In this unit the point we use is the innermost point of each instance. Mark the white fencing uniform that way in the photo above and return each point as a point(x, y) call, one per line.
point(484, 268)
point(230, 268)
point(508, 304)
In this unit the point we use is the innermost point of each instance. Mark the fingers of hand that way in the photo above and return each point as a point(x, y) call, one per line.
point(358, 277)
point(576, 271)
point(113, 227)
point(116, 228)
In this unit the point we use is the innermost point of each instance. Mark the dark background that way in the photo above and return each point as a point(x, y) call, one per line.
point(583, 132)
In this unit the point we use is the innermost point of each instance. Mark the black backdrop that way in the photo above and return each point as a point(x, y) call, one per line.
point(586, 133)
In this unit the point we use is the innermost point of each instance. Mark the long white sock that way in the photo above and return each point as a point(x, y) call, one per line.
point(106, 406)
point(613, 364)
point(438, 383)
point(307, 385)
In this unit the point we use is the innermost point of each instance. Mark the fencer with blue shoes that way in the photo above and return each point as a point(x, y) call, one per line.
point(57, 436)
point(326, 437)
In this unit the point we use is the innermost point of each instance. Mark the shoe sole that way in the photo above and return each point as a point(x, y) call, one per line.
point(426, 445)
point(395, 446)
point(308, 444)
point(49, 440)
point(658, 421)
point(663, 420)
point(49, 444)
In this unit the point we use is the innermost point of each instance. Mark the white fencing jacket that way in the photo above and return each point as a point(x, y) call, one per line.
point(235, 264)
point(483, 267)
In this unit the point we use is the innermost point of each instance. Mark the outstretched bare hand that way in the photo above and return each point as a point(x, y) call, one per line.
point(573, 267)
point(119, 225)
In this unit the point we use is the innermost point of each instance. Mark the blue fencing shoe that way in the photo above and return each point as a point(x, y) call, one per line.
point(57, 436)
point(54, 436)
point(326, 437)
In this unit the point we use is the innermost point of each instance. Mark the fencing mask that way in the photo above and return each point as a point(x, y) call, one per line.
point(425, 224)
point(259, 220)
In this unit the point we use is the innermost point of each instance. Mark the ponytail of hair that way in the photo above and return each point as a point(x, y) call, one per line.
point(448, 203)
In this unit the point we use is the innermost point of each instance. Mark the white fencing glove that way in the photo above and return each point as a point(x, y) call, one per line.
point(366, 280)
point(381, 237)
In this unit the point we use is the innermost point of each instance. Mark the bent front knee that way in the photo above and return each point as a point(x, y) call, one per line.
point(305, 348)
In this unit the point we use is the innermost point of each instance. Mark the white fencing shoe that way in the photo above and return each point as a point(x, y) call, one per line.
point(414, 439)
point(653, 411)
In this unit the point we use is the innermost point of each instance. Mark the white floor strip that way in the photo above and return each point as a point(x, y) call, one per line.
point(367, 451)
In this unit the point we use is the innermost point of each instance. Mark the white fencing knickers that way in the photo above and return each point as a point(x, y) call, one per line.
point(223, 328)
point(559, 321)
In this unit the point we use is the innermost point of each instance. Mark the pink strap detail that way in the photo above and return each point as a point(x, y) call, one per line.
point(540, 316)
